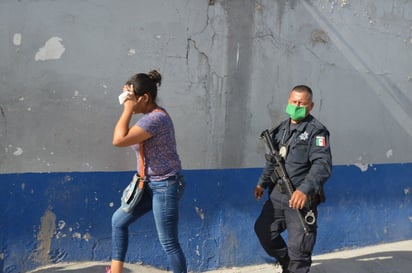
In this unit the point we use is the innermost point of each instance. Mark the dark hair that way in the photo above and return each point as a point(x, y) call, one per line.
point(303, 88)
point(146, 83)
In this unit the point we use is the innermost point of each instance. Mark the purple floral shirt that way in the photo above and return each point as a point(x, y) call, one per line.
point(160, 154)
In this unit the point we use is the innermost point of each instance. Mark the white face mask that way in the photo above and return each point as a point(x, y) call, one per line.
point(123, 97)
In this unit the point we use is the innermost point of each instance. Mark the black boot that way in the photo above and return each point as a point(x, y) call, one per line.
point(284, 267)
point(284, 263)
point(285, 270)
point(282, 258)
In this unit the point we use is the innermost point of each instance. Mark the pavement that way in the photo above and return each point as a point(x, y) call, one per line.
point(386, 258)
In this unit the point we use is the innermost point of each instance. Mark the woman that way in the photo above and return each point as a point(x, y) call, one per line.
point(164, 182)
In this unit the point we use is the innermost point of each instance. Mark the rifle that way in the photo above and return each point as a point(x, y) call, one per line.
point(280, 172)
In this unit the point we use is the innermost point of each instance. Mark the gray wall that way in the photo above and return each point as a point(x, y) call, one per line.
point(227, 66)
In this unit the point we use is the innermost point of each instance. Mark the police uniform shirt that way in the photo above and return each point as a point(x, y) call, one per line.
point(308, 160)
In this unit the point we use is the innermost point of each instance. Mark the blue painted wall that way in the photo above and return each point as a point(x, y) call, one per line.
point(55, 217)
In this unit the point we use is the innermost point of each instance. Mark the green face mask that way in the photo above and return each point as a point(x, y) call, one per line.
point(296, 112)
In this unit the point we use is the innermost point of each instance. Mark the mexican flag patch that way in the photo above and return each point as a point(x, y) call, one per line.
point(320, 141)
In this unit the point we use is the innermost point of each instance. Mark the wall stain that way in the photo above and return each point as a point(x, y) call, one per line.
point(239, 69)
point(319, 36)
point(41, 254)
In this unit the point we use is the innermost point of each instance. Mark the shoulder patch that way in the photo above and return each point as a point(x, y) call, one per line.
point(320, 141)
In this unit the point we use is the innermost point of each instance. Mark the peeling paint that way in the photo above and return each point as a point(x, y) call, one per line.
point(68, 178)
point(60, 235)
point(362, 166)
point(86, 237)
point(52, 50)
point(319, 36)
point(200, 213)
point(389, 153)
point(61, 224)
point(76, 93)
point(344, 3)
point(19, 151)
point(44, 237)
point(76, 235)
point(17, 39)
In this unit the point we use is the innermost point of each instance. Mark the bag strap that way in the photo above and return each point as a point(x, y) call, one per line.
point(141, 159)
point(141, 167)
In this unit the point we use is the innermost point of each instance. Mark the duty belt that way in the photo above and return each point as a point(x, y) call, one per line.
point(313, 199)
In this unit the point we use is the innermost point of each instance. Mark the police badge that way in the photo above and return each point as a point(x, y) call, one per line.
point(283, 151)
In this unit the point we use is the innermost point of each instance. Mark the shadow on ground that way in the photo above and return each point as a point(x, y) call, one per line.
point(389, 258)
point(86, 267)
point(382, 262)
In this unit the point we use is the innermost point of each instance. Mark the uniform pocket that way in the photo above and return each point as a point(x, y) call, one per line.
point(299, 153)
point(308, 242)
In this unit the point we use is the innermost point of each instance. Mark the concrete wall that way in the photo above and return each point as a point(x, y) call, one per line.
point(60, 217)
point(227, 67)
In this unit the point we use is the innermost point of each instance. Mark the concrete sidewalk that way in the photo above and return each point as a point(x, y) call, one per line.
point(386, 258)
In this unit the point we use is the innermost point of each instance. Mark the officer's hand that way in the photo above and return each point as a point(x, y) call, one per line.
point(258, 192)
point(298, 200)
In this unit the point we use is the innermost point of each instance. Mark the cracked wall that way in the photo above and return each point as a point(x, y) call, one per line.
point(227, 67)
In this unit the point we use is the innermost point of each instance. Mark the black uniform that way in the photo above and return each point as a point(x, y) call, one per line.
point(308, 163)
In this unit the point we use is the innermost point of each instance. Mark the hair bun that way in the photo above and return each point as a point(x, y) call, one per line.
point(155, 76)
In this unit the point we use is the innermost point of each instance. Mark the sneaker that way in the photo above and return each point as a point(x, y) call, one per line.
point(108, 269)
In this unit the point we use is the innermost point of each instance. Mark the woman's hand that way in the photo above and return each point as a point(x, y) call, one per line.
point(131, 100)
point(124, 135)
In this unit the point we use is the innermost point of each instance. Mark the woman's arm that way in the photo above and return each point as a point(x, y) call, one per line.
point(123, 135)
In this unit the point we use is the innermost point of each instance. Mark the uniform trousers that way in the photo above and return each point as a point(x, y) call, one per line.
point(275, 218)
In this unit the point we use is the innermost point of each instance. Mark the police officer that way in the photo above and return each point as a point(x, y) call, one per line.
point(303, 143)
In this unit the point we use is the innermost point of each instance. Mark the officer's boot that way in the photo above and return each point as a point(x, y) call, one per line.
point(284, 263)
point(285, 270)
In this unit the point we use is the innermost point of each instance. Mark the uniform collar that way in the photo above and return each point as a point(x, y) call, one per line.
point(301, 126)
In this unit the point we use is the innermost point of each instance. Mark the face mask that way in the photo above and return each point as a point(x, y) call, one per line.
point(296, 112)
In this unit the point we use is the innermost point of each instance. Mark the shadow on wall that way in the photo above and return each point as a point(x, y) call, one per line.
point(50, 218)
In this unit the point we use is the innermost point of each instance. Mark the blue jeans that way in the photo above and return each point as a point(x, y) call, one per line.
point(163, 198)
